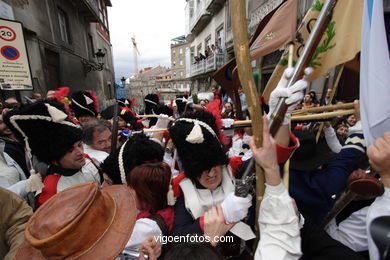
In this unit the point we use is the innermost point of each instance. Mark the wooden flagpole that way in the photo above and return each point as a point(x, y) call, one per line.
point(241, 50)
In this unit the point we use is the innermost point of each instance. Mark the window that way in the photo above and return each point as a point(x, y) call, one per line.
point(219, 41)
point(103, 13)
point(181, 62)
point(191, 5)
point(192, 52)
point(174, 63)
point(181, 75)
point(106, 58)
point(174, 52)
point(174, 74)
point(228, 15)
point(91, 46)
point(64, 25)
point(207, 42)
point(181, 51)
point(199, 49)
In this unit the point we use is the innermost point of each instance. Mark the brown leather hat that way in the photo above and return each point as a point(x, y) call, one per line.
point(81, 222)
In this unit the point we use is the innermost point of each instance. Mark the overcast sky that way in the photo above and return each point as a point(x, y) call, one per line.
point(154, 23)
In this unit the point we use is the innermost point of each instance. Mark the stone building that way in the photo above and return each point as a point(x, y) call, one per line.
point(206, 25)
point(145, 82)
point(64, 39)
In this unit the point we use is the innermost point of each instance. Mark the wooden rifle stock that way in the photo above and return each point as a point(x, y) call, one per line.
point(323, 20)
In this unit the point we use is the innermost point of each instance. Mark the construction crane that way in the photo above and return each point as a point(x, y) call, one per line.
point(135, 54)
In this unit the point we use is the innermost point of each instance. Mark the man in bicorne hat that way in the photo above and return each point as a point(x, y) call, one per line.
point(51, 136)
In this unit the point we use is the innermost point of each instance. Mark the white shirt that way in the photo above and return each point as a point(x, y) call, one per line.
point(88, 173)
point(143, 229)
point(280, 237)
point(331, 139)
point(98, 155)
point(354, 231)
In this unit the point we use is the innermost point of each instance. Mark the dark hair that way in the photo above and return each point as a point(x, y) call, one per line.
point(151, 184)
point(193, 251)
point(138, 150)
point(93, 126)
point(180, 104)
point(149, 107)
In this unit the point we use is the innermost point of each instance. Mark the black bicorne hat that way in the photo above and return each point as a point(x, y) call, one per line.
point(195, 136)
point(84, 103)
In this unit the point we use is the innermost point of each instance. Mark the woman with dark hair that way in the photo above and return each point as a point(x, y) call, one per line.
point(150, 181)
point(313, 96)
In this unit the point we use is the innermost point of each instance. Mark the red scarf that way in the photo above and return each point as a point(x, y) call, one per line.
point(167, 214)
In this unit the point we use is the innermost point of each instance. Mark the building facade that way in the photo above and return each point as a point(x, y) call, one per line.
point(206, 25)
point(147, 81)
point(64, 39)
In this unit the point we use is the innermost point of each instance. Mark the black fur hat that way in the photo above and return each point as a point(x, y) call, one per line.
point(130, 118)
point(46, 129)
point(195, 136)
point(136, 150)
point(158, 110)
point(181, 102)
point(151, 102)
point(84, 103)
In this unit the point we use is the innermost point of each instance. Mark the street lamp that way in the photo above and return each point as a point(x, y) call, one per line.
point(123, 80)
point(93, 66)
point(100, 55)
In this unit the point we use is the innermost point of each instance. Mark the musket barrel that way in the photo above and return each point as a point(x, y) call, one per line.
point(303, 61)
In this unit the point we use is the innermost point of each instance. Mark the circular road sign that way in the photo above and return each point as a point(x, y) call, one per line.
point(10, 53)
point(7, 34)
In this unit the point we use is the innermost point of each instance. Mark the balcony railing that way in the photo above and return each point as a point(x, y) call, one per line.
point(212, 63)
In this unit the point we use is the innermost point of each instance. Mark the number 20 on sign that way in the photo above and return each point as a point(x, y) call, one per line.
point(7, 34)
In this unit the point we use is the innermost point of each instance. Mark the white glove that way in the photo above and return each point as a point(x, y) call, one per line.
point(162, 121)
point(190, 102)
point(294, 94)
point(235, 208)
point(227, 122)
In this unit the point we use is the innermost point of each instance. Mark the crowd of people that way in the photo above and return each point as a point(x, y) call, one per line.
point(210, 50)
point(79, 183)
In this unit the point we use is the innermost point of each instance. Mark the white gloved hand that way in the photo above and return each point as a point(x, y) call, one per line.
point(190, 102)
point(294, 94)
point(162, 121)
point(235, 208)
point(227, 122)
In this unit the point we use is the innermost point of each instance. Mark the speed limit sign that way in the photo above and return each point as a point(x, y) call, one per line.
point(7, 34)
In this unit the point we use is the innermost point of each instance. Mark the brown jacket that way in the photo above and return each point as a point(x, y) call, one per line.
point(14, 213)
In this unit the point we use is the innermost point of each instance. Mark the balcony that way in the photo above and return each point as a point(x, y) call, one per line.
point(199, 19)
point(89, 9)
point(214, 6)
point(210, 64)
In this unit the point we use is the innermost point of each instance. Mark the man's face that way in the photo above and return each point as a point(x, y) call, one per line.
point(342, 131)
point(4, 130)
point(74, 158)
point(228, 107)
point(102, 141)
point(307, 98)
point(211, 179)
point(121, 122)
point(328, 92)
